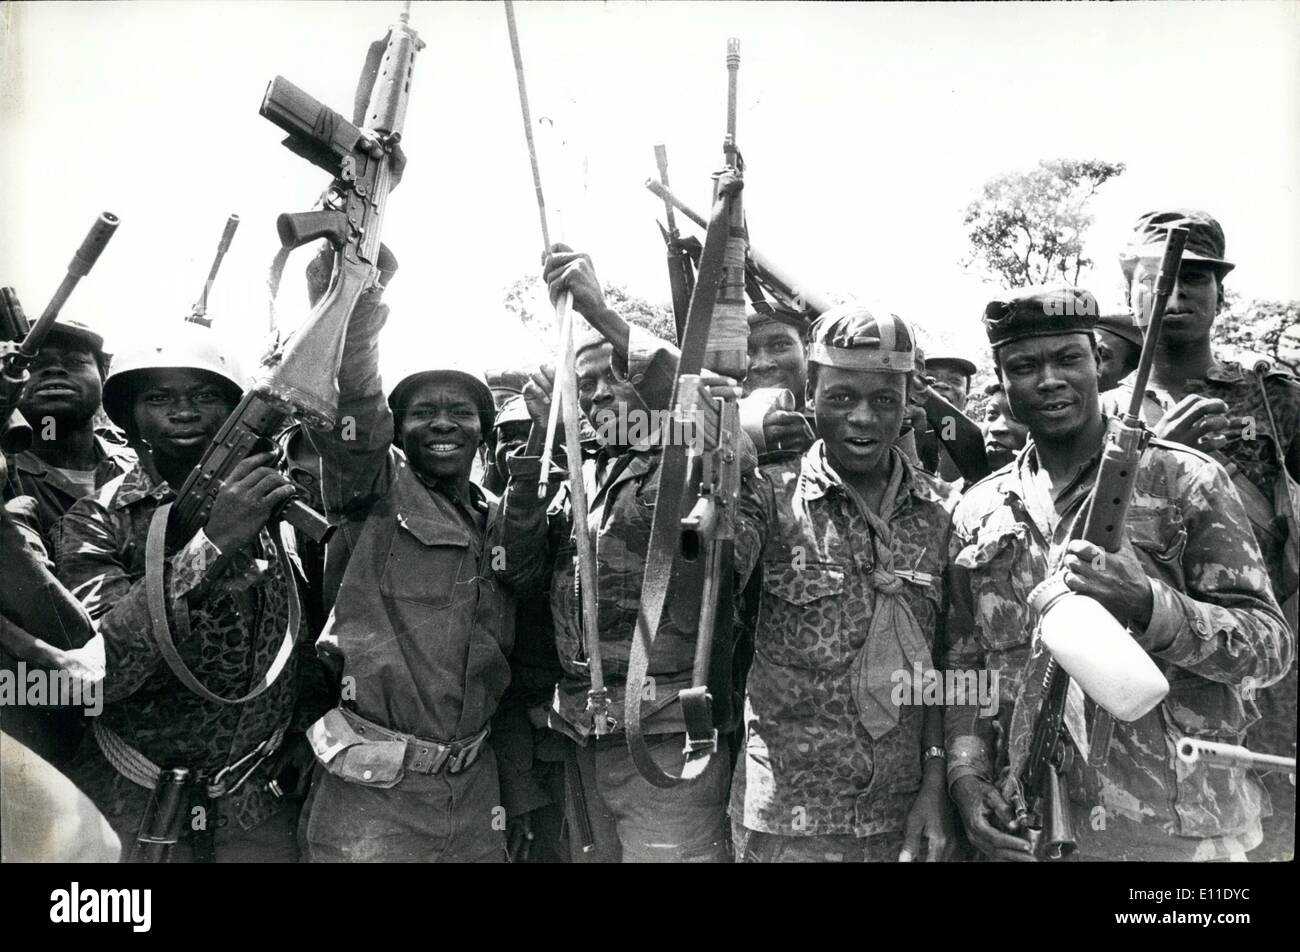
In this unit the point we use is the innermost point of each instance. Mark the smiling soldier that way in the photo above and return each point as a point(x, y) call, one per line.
point(419, 628)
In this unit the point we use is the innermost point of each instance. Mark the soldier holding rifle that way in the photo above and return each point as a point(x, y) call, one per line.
point(623, 375)
point(1188, 581)
point(1248, 419)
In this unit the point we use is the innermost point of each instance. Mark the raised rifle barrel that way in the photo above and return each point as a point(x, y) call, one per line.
point(78, 268)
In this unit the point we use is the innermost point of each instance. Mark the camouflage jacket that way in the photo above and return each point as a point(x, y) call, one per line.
point(238, 613)
point(621, 495)
point(1215, 631)
point(809, 766)
point(1252, 453)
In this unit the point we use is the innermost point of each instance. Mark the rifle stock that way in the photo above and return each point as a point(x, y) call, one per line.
point(300, 380)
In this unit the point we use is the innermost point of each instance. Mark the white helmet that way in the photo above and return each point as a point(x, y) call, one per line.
point(182, 345)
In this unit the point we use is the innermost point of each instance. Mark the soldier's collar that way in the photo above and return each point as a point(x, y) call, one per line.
point(33, 465)
point(817, 477)
point(1225, 371)
point(137, 484)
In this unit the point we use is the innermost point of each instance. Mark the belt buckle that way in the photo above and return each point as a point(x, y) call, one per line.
point(464, 756)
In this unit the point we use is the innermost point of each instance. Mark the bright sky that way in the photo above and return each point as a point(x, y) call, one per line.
point(866, 130)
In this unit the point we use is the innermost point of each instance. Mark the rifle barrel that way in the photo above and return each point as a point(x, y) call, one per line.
point(1169, 265)
point(78, 268)
point(763, 266)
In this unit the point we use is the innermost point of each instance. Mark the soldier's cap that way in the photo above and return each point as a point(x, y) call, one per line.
point(509, 381)
point(1205, 241)
point(397, 400)
point(851, 337)
point(776, 314)
point(513, 410)
point(77, 332)
point(1121, 324)
point(1039, 311)
point(961, 363)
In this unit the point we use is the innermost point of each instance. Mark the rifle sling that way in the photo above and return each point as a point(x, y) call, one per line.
point(154, 566)
point(675, 470)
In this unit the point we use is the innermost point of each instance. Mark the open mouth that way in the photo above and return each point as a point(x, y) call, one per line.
point(442, 448)
point(1056, 407)
point(863, 443)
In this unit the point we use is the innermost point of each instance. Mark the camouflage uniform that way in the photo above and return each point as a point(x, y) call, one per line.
point(1251, 457)
point(810, 771)
point(101, 559)
point(629, 816)
point(1214, 624)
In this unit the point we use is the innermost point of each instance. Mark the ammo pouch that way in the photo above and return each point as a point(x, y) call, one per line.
point(358, 751)
point(349, 755)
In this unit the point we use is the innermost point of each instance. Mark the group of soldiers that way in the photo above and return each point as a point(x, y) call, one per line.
point(418, 688)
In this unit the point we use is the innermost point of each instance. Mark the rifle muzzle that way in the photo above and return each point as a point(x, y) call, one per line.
point(1056, 839)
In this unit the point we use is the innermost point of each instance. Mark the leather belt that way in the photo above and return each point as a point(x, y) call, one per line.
point(424, 756)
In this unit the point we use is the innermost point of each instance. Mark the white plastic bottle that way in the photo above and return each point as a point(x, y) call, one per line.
point(1097, 651)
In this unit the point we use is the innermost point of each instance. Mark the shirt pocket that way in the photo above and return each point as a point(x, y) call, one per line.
point(801, 624)
point(1000, 580)
point(1159, 534)
point(425, 560)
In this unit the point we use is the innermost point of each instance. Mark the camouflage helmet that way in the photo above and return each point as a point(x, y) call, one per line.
point(852, 338)
point(180, 345)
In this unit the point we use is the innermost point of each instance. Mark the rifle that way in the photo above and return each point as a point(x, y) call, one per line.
point(787, 291)
point(1042, 803)
point(1227, 756)
point(300, 380)
point(199, 313)
point(700, 478)
point(19, 344)
point(681, 274)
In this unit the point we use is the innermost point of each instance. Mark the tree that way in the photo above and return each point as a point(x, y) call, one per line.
point(1260, 328)
point(523, 296)
point(1028, 227)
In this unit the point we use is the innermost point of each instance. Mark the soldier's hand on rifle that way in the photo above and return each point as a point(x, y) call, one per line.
point(787, 430)
point(979, 803)
point(1197, 421)
point(567, 270)
point(246, 501)
point(1116, 579)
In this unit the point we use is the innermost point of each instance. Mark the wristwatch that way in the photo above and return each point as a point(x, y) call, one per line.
point(933, 753)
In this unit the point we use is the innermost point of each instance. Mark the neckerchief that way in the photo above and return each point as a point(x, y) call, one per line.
point(894, 642)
